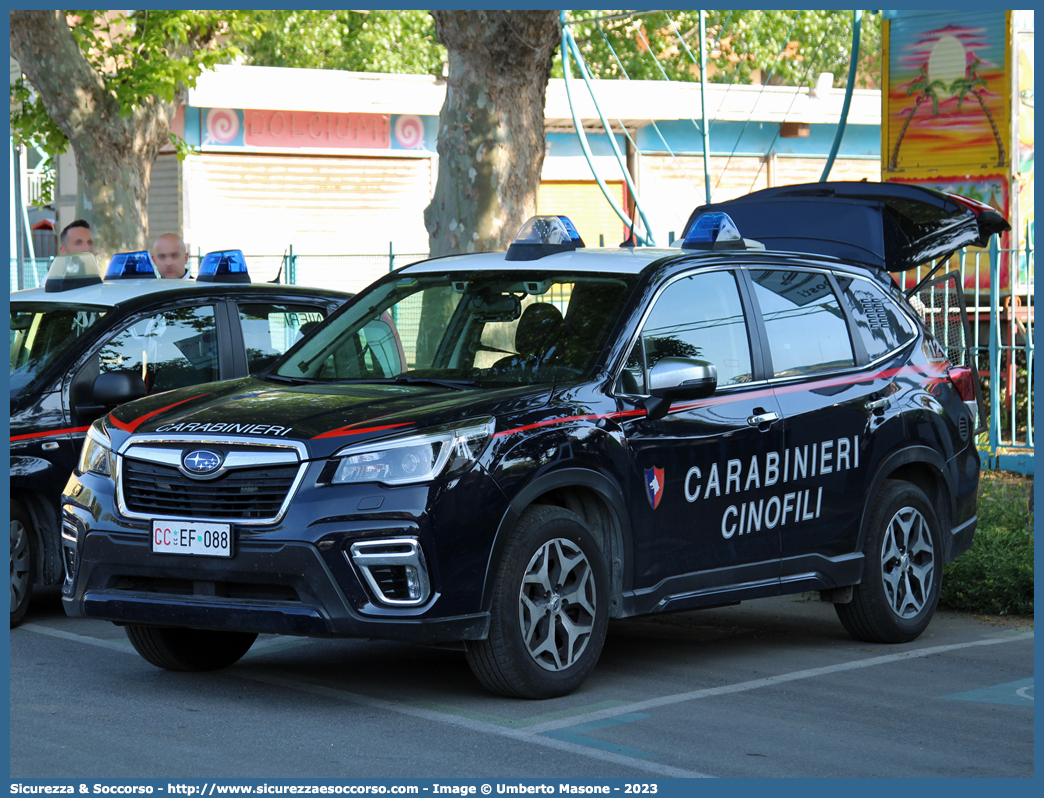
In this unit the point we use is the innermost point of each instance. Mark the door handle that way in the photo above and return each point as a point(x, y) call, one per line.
point(762, 418)
point(878, 404)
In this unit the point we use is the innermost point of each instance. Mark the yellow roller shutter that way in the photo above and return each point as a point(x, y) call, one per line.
point(584, 203)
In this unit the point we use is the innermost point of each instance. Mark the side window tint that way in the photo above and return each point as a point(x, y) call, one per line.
point(807, 331)
point(701, 317)
point(270, 329)
point(173, 349)
point(881, 325)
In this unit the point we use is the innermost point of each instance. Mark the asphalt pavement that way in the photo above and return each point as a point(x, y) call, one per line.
point(768, 688)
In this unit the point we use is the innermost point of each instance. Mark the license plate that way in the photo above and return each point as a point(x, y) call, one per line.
point(192, 537)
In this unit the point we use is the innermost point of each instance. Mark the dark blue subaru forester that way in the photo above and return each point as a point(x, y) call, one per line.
point(506, 450)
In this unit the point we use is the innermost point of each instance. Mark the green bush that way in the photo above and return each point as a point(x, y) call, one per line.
point(995, 576)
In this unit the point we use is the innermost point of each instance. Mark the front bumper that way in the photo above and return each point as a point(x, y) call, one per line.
point(305, 575)
point(279, 588)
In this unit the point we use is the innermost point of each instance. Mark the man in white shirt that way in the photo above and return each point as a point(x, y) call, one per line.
point(171, 257)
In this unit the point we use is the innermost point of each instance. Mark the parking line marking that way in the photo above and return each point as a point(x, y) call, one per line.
point(577, 734)
point(516, 723)
point(1018, 694)
point(519, 735)
point(113, 645)
point(771, 681)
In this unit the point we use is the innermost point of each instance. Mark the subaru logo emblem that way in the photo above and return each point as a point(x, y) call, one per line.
point(202, 461)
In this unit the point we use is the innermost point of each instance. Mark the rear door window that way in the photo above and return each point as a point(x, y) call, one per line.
point(807, 331)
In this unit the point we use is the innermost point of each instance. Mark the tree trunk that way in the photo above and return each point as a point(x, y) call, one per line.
point(114, 153)
point(491, 127)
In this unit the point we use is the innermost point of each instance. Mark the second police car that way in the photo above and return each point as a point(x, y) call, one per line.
point(81, 345)
point(506, 450)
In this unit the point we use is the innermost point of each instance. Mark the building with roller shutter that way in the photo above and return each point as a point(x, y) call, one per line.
point(345, 163)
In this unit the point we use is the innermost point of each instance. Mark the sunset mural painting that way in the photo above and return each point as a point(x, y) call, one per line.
point(946, 120)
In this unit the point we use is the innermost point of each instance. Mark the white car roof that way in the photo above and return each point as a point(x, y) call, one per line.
point(622, 260)
point(106, 294)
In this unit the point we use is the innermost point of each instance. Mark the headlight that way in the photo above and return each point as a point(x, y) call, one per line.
point(416, 458)
point(96, 457)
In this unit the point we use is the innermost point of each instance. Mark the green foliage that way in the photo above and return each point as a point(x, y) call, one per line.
point(32, 125)
point(135, 55)
point(996, 574)
point(358, 41)
point(788, 47)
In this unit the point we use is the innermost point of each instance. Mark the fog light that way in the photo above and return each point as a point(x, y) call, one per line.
point(413, 584)
point(394, 569)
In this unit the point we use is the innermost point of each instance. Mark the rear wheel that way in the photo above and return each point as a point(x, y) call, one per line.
point(180, 649)
point(23, 561)
point(903, 568)
point(550, 609)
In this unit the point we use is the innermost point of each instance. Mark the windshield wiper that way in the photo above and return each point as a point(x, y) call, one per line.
point(403, 379)
point(289, 380)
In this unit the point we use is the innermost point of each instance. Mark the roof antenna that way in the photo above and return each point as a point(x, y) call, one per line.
point(280, 272)
point(629, 241)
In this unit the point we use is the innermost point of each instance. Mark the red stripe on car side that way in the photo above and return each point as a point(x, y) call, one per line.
point(49, 433)
point(130, 426)
point(827, 383)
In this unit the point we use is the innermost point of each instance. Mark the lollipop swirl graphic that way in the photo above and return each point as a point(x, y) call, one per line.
point(409, 131)
point(222, 126)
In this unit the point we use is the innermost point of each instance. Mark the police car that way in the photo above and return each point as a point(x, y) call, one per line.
point(505, 450)
point(81, 345)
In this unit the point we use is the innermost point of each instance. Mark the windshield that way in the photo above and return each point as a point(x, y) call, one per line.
point(462, 329)
point(42, 333)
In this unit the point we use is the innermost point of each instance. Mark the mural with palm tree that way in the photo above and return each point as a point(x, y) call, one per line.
point(925, 89)
point(973, 84)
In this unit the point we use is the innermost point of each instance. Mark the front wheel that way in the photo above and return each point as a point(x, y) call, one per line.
point(903, 573)
point(550, 609)
point(179, 649)
point(23, 561)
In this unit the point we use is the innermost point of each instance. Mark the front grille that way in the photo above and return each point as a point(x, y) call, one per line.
point(245, 493)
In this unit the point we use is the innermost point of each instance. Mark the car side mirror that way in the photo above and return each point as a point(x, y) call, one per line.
point(676, 378)
point(117, 387)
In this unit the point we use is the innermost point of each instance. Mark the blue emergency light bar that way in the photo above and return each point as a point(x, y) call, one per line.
point(131, 266)
point(544, 235)
point(711, 229)
point(223, 266)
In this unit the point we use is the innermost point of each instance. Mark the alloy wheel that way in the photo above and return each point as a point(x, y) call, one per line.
point(907, 562)
point(556, 607)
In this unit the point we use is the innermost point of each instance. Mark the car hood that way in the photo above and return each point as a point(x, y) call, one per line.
point(888, 226)
point(324, 417)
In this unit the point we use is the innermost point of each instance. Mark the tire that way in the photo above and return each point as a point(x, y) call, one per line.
point(23, 561)
point(550, 609)
point(180, 649)
point(903, 573)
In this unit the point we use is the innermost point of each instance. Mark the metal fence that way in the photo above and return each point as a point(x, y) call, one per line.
point(1001, 324)
point(998, 292)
